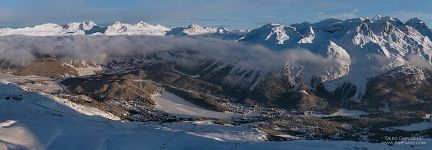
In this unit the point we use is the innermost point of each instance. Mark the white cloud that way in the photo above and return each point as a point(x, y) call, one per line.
point(19, 50)
point(344, 15)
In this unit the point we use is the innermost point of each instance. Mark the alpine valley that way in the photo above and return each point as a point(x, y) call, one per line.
point(361, 80)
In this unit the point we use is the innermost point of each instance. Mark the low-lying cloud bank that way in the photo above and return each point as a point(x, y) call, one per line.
point(19, 50)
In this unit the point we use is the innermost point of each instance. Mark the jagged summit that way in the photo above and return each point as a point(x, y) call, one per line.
point(88, 27)
point(273, 35)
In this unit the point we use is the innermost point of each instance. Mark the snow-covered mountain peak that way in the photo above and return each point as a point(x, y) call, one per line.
point(147, 25)
point(277, 32)
point(195, 29)
point(381, 43)
point(386, 20)
point(364, 18)
point(88, 27)
point(309, 36)
point(85, 25)
point(47, 29)
point(377, 17)
point(121, 28)
point(143, 23)
point(47, 26)
point(117, 27)
point(269, 34)
point(141, 28)
point(191, 26)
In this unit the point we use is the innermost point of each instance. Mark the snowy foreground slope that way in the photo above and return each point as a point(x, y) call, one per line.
point(39, 122)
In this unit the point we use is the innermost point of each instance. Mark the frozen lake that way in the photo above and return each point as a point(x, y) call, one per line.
point(177, 106)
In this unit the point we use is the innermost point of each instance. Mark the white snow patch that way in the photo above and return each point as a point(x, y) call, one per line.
point(288, 136)
point(349, 113)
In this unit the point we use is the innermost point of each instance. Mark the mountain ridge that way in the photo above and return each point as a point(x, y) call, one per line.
point(325, 58)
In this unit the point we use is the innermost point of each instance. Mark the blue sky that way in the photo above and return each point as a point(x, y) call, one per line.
point(231, 13)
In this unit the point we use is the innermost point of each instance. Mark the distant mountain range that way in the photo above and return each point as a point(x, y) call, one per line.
point(119, 28)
